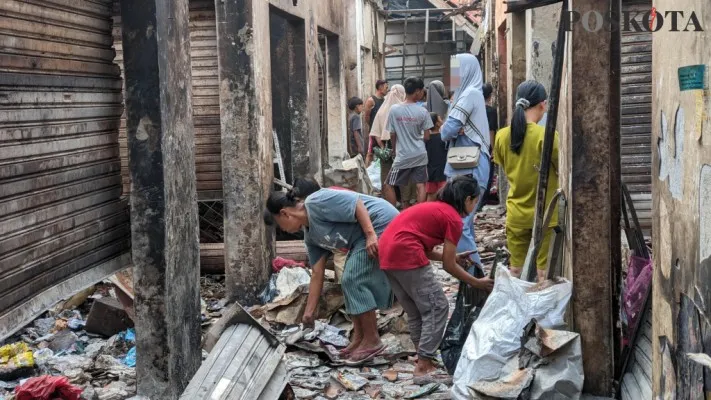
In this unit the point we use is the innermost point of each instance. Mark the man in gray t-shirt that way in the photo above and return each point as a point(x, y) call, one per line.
point(409, 126)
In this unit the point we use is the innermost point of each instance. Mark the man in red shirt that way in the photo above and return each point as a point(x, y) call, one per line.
point(406, 248)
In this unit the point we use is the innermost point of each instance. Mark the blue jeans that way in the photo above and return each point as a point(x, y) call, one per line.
point(468, 241)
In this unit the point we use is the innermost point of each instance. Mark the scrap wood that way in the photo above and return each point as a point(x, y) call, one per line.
point(232, 315)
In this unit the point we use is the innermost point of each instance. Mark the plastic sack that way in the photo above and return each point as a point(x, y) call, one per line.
point(466, 310)
point(47, 388)
point(270, 291)
point(639, 278)
point(130, 359)
point(374, 175)
point(495, 335)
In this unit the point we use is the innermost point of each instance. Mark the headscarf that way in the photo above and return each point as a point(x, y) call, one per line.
point(435, 99)
point(396, 95)
point(469, 99)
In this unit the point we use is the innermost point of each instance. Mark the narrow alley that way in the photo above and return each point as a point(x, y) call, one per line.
point(355, 199)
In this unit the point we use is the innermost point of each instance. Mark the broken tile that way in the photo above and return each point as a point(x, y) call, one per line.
point(301, 359)
point(350, 380)
point(390, 375)
point(393, 390)
point(423, 391)
point(373, 391)
point(334, 389)
point(304, 393)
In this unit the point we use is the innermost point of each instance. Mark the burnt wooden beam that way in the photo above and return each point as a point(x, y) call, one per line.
point(164, 221)
point(246, 124)
point(590, 161)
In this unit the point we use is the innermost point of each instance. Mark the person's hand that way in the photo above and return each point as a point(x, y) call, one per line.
point(461, 131)
point(371, 245)
point(486, 283)
point(308, 318)
point(464, 258)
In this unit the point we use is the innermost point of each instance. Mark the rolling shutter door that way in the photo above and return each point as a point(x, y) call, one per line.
point(205, 98)
point(636, 118)
point(60, 183)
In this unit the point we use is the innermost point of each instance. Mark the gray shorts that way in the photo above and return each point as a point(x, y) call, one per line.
point(406, 176)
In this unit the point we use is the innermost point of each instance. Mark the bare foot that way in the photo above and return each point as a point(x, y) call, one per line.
point(424, 367)
point(368, 345)
point(355, 343)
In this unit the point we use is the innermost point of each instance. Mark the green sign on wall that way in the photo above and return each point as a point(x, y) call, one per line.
point(692, 77)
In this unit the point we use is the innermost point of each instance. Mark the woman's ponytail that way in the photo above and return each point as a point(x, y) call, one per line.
point(529, 94)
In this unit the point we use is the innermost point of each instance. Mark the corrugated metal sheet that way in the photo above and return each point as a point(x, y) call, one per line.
point(636, 118)
point(206, 100)
point(60, 183)
point(637, 380)
point(246, 363)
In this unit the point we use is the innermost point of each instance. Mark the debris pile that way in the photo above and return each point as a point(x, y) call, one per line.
point(86, 344)
point(317, 372)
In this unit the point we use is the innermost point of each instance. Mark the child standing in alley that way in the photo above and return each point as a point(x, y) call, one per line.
point(436, 159)
point(355, 128)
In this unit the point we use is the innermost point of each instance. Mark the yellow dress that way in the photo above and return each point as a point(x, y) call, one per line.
point(522, 173)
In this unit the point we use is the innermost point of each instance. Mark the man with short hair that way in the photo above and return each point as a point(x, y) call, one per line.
point(409, 126)
point(371, 106)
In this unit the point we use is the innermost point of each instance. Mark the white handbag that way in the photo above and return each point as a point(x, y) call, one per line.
point(465, 157)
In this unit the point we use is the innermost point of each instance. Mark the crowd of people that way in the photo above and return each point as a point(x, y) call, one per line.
point(444, 144)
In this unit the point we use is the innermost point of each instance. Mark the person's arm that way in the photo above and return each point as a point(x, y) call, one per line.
point(371, 238)
point(449, 261)
point(369, 105)
point(358, 141)
point(315, 288)
point(428, 133)
point(393, 141)
point(451, 129)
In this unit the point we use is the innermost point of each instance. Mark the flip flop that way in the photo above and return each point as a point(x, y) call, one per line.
point(368, 355)
point(344, 353)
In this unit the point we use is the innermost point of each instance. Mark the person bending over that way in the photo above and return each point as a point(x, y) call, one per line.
point(337, 220)
point(406, 248)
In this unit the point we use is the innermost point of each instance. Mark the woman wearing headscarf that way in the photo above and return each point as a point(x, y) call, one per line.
point(518, 151)
point(396, 95)
point(435, 99)
point(467, 126)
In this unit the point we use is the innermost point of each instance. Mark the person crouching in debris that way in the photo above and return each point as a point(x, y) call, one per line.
point(406, 248)
point(333, 220)
point(517, 150)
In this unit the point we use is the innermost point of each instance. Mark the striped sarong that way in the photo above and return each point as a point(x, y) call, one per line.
point(365, 286)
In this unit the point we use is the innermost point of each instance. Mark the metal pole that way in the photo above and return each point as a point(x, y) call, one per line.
point(427, 39)
point(529, 269)
point(404, 43)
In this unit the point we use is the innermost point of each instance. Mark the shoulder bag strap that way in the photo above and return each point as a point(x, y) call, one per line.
point(470, 123)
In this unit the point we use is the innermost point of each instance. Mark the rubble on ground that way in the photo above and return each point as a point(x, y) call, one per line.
point(317, 372)
point(88, 339)
point(102, 363)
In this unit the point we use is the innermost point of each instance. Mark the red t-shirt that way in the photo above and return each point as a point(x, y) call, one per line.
point(416, 231)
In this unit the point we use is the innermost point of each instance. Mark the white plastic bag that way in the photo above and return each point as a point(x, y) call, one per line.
point(495, 335)
point(374, 175)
